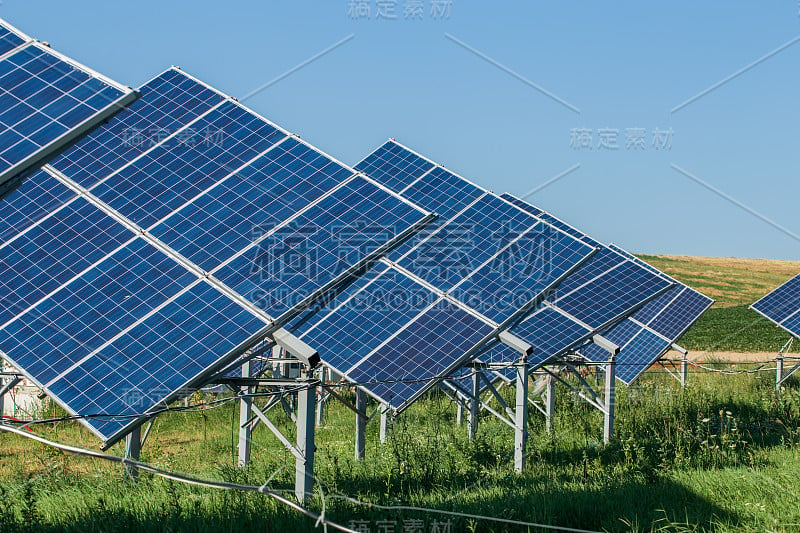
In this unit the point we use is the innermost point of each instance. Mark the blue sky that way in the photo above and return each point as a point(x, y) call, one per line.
point(625, 65)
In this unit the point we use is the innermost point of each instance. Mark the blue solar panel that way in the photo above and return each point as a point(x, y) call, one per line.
point(466, 242)
point(128, 376)
point(176, 171)
point(606, 288)
point(544, 215)
point(168, 104)
point(394, 166)
point(441, 192)
point(80, 317)
point(117, 321)
point(223, 221)
point(50, 254)
point(34, 199)
point(318, 246)
point(782, 305)
point(487, 257)
point(665, 318)
point(518, 274)
point(46, 101)
point(399, 369)
point(361, 322)
point(10, 37)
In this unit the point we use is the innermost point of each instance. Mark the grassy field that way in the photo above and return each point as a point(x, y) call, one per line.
point(719, 456)
point(730, 326)
point(722, 455)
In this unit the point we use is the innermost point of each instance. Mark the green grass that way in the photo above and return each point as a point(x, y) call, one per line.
point(735, 329)
point(719, 456)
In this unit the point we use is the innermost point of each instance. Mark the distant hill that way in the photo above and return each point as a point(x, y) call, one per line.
point(735, 284)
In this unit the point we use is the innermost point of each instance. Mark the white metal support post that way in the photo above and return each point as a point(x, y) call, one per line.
point(304, 464)
point(610, 385)
point(245, 428)
point(133, 449)
point(684, 371)
point(322, 398)
point(474, 406)
point(384, 423)
point(521, 422)
point(549, 402)
point(778, 372)
point(361, 424)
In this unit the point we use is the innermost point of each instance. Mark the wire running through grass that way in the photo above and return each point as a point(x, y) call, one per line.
point(223, 485)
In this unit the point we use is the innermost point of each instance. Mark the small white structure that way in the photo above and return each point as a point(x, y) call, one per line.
point(21, 400)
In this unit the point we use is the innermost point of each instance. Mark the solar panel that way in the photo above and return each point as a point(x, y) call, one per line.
point(167, 242)
point(646, 335)
point(782, 306)
point(608, 287)
point(46, 101)
point(441, 296)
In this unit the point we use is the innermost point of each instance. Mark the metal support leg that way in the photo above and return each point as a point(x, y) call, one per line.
point(245, 429)
point(610, 383)
point(779, 372)
point(684, 371)
point(460, 414)
point(474, 407)
point(384, 423)
point(321, 398)
point(304, 466)
point(133, 449)
point(521, 422)
point(361, 424)
point(549, 402)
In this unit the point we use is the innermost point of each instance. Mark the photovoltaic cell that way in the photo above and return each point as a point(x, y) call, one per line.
point(179, 168)
point(443, 193)
point(113, 321)
point(604, 289)
point(168, 103)
point(650, 332)
point(388, 303)
point(250, 203)
point(394, 166)
point(782, 305)
point(47, 101)
point(319, 245)
point(83, 315)
point(485, 260)
point(35, 198)
point(128, 376)
point(52, 253)
point(397, 370)
point(10, 38)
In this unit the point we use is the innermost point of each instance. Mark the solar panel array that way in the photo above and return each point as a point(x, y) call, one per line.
point(782, 306)
point(609, 286)
point(435, 300)
point(169, 240)
point(152, 251)
point(46, 101)
point(650, 332)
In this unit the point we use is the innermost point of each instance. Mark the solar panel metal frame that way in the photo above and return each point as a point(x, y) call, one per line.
point(272, 324)
point(781, 323)
point(12, 176)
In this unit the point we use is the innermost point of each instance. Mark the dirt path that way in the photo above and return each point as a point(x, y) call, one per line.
point(734, 357)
